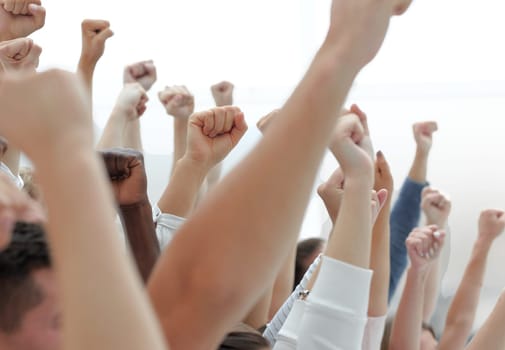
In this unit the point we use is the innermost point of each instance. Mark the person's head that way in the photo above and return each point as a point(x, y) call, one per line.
point(306, 252)
point(244, 341)
point(29, 302)
point(428, 338)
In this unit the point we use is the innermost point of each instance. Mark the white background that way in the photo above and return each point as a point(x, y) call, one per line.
point(442, 61)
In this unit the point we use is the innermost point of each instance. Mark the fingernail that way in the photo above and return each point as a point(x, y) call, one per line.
point(437, 234)
point(432, 252)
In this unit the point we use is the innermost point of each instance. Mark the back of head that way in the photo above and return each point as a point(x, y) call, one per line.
point(306, 251)
point(19, 293)
point(244, 341)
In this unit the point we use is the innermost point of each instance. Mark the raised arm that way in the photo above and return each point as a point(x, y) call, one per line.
point(279, 173)
point(406, 211)
point(180, 104)
point(95, 33)
point(17, 56)
point(57, 123)
point(128, 177)
point(423, 246)
point(461, 316)
point(211, 136)
point(143, 73)
point(436, 207)
point(130, 105)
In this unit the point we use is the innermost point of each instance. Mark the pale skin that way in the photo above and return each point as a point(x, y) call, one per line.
point(15, 205)
point(423, 247)
point(18, 56)
point(211, 136)
point(130, 106)
point(13, 26)
point(95, 33)
point(180, 104)
point(356, 33)
point(423, 135)
point(436, 207)
point(461, 316)
point(57, 123)
point(18, 7)
point(145, 74)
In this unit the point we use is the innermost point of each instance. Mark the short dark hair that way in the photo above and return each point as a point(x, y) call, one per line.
point(304, 250)
point(243, 341)
point(19, 293)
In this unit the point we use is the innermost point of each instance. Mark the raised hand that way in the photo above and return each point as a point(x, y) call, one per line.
point(348, 147)
point(383, 176)
point(95, 33)
point(423, 134)
point(19, 55)
point(19, 26)
point(18, 7)
point(491, 224)
point(214, 133)
point(436, 206)
point(15, 205)
point(332, 192)
point(131, 102)
point(127, 174)
point(143, 73)
point(359, 27)
point(223, 93)
point(178, 101)
point(265, 122)
point(424, 245)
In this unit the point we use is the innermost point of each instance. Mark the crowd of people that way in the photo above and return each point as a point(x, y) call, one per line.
point(215, 263)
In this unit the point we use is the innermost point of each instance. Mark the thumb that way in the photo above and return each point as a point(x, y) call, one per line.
point(37, 16)
point(105, 34)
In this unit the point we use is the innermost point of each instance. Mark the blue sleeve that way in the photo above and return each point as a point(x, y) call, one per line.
point(404, 217)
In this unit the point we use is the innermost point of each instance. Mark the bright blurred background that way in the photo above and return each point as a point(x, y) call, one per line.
point(441, 61)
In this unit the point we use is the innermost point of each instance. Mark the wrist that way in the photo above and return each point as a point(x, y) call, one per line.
point(419, 272)
point(139, 205)
point(482, 244)
point(193, 166)
point(422, 155)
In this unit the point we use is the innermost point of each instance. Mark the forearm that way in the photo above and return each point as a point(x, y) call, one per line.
point(461, 315)
point(293, 176)
point(112, 135)
point(180, 195)
point(180, 139)
point(491, 335)
point(283, 285)
point(419, 170)
point(84, 243)
point(406, 332)
point(258, 317)
point(379, 263)
point(132, 135)
point(140, 231)
point(86, 70)
point(351, 237)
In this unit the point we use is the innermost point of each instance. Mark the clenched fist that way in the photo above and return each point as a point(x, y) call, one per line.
point(94, 35)
point(18, 7)
point(332, 192)
point(223, 93)
point(424, 245)
point(491, 224)
point(143, 73)
point(213, 134)
point(423, 134)
point(349, 147)
point(178, 101)
point(436, 206)
point(19, 26)
point(19, 55)
point(131, 102)
point(127, 175)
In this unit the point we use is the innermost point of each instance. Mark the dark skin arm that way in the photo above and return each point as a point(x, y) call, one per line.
point(128, 177)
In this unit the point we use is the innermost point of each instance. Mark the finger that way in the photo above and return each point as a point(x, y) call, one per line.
point(239, 128)
point(208, 125)
point(38, 15)
point(18, 8)
point(219, 124)
point(104, 35)
point(9, 5)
